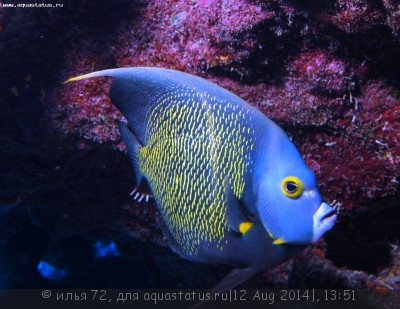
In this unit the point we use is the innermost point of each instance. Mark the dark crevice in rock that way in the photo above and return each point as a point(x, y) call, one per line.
point(363, 242)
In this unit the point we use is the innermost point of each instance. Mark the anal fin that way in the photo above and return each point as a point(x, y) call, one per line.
point(233, 279)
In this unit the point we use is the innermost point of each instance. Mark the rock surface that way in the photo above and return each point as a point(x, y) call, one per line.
point(326, 71)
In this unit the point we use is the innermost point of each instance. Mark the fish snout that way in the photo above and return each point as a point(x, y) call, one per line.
point(324, 219)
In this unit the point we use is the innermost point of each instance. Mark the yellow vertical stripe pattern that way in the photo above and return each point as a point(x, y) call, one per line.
point(195, 142)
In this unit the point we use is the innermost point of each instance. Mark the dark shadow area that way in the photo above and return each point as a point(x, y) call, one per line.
point(377, 48)
point(24, 245)
point(267, 59)
point(57, 200)
point(33, 42)
point(364, 243)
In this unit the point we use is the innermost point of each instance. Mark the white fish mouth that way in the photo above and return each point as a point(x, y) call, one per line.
point(330, 215)
point(324, 219)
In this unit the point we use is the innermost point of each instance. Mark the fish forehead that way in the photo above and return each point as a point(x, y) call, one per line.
point(194, 143)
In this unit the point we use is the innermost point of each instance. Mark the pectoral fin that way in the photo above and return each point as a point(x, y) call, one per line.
point(238, 219)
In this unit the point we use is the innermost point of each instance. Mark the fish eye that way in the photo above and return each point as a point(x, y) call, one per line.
point(292, 187)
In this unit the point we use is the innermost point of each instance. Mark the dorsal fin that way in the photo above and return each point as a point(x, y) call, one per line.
point(136, 91)
point(133, 102)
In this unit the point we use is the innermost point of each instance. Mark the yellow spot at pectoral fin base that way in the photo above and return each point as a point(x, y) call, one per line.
point(279, 241)
point(244, 227)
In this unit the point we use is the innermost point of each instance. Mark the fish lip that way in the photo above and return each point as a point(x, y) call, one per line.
point(330, 215)
point(324, 219)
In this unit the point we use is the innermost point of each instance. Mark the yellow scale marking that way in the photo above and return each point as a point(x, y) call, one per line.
point(194, 143)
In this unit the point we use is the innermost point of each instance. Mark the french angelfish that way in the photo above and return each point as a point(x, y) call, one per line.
point(229, 184)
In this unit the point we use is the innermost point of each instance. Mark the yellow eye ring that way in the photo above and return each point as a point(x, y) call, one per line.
point(292, 187)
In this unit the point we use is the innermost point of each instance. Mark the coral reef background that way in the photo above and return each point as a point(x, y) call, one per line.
point(326, 71)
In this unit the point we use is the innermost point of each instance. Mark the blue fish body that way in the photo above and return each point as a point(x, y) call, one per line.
point(230, 185)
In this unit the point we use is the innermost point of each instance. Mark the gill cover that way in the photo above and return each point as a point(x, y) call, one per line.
point(287, 195)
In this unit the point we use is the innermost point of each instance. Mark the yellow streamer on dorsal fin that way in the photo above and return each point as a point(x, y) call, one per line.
point(110, 72)
point(80, 77)
point(244, 227)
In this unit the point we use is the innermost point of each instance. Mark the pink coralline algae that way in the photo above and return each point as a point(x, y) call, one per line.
point(191, 35)
point(91, 113)
point(318, 70)
point(327, 72)
point(351, 142)
point(344, 124)
point(188, 36)
point(354, 16)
